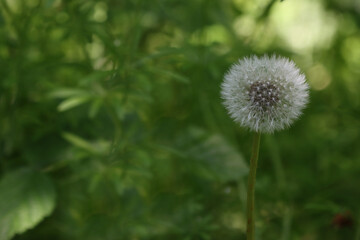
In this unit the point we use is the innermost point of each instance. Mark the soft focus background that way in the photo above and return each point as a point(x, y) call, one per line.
point(112, 126)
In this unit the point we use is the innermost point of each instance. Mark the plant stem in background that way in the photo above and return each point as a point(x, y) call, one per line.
point(250, 228)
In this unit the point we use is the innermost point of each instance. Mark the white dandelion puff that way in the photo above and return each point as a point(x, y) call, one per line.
point(265, 94)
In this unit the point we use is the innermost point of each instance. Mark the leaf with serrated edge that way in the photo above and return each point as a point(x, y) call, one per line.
point(26, 198)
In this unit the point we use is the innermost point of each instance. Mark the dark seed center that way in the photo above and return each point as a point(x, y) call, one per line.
point(263, 95)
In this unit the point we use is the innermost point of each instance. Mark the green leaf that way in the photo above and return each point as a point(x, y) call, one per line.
point(216, 155)
point(93, 77)
point(98, 147)
point(171, 75)
point(94, 107)
point(72, 102)
point(78, 141)
point(26, 198)
point(221, 158)
point(68, 92)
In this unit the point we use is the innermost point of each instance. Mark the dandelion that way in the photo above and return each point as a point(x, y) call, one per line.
point(265, 95)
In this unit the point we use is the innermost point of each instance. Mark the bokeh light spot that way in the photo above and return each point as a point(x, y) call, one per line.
point(304, 25)
point(100, 12)
point(244, 26)
point(319, 77)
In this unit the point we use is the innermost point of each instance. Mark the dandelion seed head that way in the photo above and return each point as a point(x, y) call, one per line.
point(264, 94)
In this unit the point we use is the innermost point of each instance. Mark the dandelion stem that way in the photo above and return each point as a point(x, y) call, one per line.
point(250, 228)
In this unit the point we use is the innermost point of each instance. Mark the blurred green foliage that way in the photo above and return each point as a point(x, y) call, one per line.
point(112, 127)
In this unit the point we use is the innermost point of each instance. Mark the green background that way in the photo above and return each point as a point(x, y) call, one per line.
point(112, 126)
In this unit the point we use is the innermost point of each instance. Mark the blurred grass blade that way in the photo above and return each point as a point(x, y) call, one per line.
point(171, 75)
point(67, 92)
point(94, 108)
point(72, 102)
point(93, 77)
point(78, 141)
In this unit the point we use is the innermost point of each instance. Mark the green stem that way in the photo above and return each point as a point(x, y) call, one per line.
point(250, 228)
